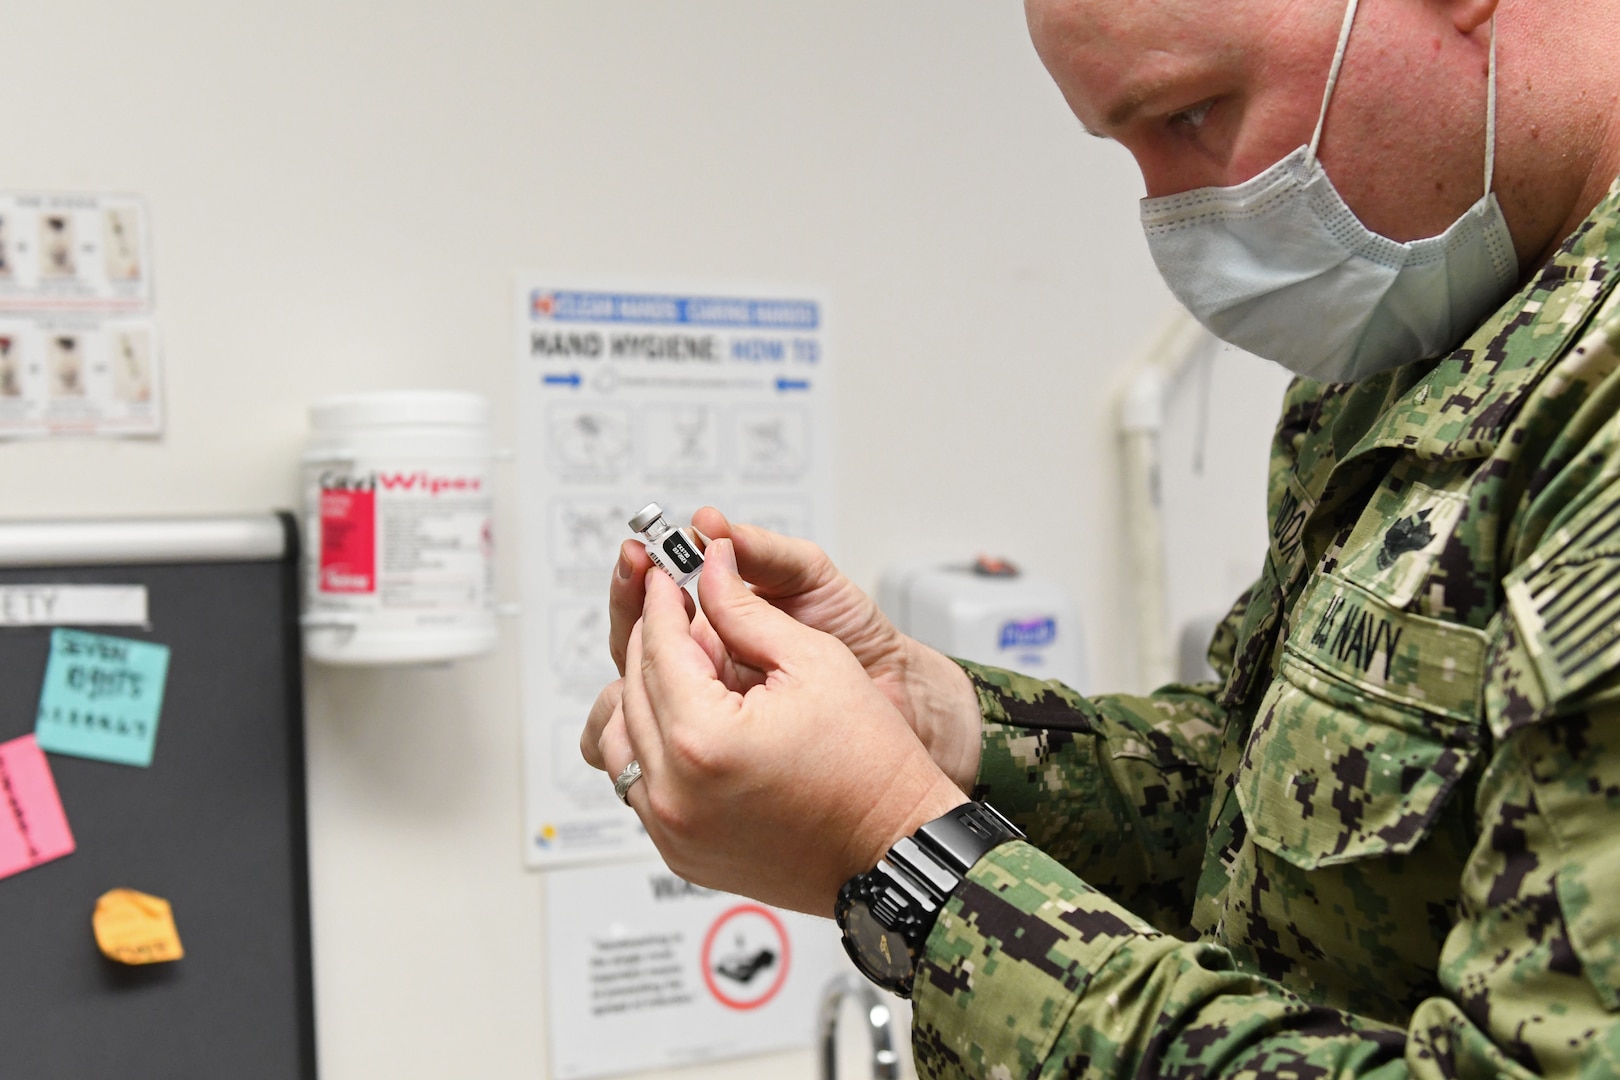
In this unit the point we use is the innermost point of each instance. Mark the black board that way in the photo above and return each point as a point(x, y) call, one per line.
point(216, 825)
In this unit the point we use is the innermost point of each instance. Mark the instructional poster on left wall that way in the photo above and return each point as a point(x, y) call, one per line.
point(78, 331)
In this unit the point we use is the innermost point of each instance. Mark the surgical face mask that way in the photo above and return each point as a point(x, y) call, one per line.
point(1280, 266)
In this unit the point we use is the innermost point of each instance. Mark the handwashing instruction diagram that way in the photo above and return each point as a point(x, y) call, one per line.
point(631, 393)
point(78, 336)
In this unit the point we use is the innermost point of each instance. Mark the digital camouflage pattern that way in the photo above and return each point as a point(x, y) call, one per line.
point(1388, 843)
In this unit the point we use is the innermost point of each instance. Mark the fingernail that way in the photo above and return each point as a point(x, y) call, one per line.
point(622, 570)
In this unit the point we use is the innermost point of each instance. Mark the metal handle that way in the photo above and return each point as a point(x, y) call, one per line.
point(881, 1025)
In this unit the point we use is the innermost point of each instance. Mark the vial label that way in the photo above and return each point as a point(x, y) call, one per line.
point(682, 554)
point(676, 555)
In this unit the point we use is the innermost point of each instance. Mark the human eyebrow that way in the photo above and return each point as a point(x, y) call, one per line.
point(1134, 101)
point(1145, 94)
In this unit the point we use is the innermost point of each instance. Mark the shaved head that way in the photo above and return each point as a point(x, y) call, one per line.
point(1212, 92)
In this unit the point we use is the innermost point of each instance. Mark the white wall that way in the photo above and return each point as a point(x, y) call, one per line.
point(340, 192)
point(1217, 433)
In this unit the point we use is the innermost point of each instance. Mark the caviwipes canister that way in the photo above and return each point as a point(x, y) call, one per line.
point(399, 555)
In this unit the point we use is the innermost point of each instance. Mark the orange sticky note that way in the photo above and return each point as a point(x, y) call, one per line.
point(134, 928)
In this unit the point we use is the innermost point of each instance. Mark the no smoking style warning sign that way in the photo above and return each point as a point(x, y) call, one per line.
point(745, 957)
point(646, 970)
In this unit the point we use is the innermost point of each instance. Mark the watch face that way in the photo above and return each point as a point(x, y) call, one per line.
point(882, 953)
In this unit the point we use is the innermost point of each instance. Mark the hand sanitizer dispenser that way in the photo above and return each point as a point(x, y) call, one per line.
point(990, 612)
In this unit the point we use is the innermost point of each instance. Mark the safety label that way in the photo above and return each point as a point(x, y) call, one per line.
point(647, 970)
point(745, 958)
point(348, 540)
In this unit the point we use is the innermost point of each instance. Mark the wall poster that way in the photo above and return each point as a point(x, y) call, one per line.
point(630, 393)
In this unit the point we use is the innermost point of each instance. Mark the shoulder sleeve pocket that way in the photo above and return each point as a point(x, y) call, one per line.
point(1572, 766)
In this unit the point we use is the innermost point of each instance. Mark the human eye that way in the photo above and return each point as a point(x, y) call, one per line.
point(1190, 119)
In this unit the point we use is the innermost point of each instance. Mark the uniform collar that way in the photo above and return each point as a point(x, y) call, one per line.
point(1459, 409)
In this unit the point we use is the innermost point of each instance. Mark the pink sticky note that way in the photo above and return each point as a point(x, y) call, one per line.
point(33, 827)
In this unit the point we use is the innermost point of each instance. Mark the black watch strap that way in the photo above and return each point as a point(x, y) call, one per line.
point(961, 836)
point(888, 912)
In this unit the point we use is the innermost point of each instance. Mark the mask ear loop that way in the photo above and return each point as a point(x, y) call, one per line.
point(1333, 79)
point(1490, 115)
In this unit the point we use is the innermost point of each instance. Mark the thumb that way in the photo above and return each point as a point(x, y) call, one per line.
point(752, 631)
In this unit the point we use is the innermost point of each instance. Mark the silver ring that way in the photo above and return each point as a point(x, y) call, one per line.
point(627, 780)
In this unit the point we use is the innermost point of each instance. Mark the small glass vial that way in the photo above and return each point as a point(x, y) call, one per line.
point(671, 550)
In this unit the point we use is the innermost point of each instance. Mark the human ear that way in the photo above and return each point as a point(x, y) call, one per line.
point(1469, 15)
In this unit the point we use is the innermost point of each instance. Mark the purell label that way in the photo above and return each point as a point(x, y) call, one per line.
point(1028, 633)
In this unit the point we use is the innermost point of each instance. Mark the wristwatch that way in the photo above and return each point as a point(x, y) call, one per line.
point(887, 912)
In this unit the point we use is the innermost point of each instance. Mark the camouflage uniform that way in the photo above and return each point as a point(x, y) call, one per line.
point(1388, 842)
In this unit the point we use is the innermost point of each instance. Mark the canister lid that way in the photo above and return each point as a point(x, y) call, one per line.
point(645, 517)
point(391, 408)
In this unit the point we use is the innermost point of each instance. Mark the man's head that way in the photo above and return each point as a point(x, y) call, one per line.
point(1211, 92)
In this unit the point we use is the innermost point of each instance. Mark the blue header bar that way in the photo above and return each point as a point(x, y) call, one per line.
point(679, 310)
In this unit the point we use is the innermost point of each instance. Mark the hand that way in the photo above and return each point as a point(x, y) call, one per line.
point(603, 709)
point(931, 692)
point(782, 792)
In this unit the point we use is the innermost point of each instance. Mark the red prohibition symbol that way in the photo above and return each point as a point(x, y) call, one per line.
point(749, 962)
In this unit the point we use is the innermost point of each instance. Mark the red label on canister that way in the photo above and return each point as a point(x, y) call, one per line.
point(348, 541)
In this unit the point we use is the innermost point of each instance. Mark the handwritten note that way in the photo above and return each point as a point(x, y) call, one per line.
point(101, 697)
point(33, 826)
point(136, 928)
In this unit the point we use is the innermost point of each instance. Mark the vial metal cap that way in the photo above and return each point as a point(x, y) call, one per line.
point(645, 517)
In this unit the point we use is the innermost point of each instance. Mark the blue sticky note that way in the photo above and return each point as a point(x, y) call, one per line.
point(101, 697)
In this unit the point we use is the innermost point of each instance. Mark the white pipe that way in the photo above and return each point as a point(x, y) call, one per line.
point(1143, 400)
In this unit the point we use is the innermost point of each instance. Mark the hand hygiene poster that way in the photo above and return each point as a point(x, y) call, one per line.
point(631, 393)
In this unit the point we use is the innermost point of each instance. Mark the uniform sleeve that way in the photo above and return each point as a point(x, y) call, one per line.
point(1115, 788)
point(1032, 971)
